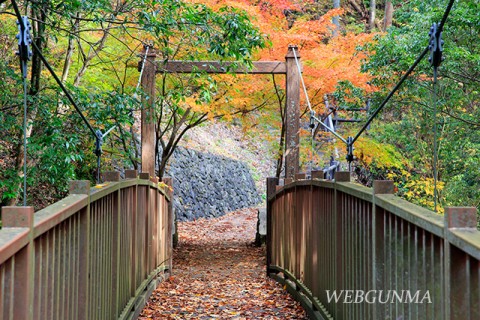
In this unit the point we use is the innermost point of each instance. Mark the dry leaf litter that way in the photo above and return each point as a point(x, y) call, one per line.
point(218, 274)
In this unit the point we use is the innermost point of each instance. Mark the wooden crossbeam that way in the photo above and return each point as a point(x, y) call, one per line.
point(259, 67)
point(292, 97)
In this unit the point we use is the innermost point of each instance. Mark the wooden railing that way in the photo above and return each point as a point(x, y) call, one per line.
point(325, 236)
point(96, 254)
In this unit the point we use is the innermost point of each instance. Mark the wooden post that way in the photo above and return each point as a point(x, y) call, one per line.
point(21, 295)
point(148, 113)
point(83, 187)
point(458, 274)
point(379, 239)
point(292, 113)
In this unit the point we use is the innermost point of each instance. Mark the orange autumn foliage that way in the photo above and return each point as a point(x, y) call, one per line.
point(326, 59)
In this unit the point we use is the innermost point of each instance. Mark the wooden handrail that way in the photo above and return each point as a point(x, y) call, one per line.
point(333, 235)
point(93, 254)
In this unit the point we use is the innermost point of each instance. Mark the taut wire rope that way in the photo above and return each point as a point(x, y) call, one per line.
point(308, 101)
point(435, 147)
point(24, 141)
point(141, 71)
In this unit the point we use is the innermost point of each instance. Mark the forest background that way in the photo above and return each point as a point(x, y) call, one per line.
point(352, 51)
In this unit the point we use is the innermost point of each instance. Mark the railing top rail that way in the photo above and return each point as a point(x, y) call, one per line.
point(419, 216)
point(355, 190)
point(467, 240)
point(13, 239)
point(101, 190)
point(350, 188)
point(323, 183)
point(54, 214)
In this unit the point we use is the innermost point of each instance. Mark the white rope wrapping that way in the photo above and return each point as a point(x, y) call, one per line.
point(141, 72)
point(301, 78)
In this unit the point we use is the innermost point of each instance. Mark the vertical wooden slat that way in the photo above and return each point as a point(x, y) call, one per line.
point(45, 283)
point(7, 276)
point(339, 249)
point(475, 294)
point(415, 280)
point(133, 250)
point(170, 220)
point(56, 273)
point(67, 268)
point(50, 290)
point(39, 272)
point(3, 285)
point(115, 259)
point(271, 188)
point(388, 249)
point(423, 307)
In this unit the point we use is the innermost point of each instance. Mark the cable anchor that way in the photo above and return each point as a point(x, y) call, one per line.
point(24, 42)
point(99, 138)
point(350, 149)
point(435, 45)
point(312, 120)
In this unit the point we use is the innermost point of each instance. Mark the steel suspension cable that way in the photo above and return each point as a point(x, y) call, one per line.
point(52, 72)
point(390, 95)
point(141, 71)
point(24, 141)
point(301, 78)
point(445, 15)
point(435, 142)
point(24, 53)
point(351, 140)
point(409, 71)
point(308, 101)
point(434, 98)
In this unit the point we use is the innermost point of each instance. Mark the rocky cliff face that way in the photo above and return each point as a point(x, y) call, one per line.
point(207, 185)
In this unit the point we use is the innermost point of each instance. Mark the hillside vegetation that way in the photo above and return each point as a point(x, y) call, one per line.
point(351, 54)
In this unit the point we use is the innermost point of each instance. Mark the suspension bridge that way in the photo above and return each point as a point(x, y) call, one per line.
point(343, 250)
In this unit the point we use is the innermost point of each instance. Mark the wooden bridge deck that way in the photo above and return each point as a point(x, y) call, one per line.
point(219, 274)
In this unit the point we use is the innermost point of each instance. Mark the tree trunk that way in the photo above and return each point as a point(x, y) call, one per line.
point(335, 20)
point(39, 39)
point(93, 51)
point(70, 48)
point(371, 17)
point(68, 60)
point(387, 21)
point(360, 9)
point(97, 47)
